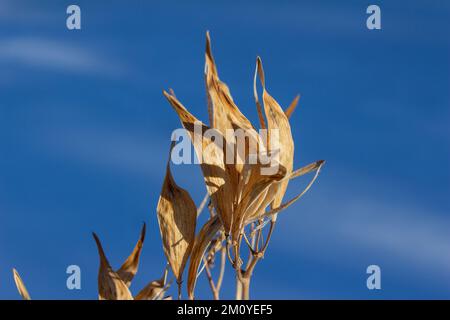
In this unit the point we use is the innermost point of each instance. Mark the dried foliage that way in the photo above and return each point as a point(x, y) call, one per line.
point(155, 290)
point(21, 286)
point(110, 285)
point(114, 285)
point(203, 239)
point(240, 194)
point(177, 216)
point(243, 199)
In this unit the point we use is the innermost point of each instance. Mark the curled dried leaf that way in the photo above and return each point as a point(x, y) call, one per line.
point(177, 216)
point(21, 286)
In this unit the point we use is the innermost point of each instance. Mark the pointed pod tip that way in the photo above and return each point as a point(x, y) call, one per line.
point(208, 45)
point(97, 240)
point(260, 71)
point(169, 97)
point(143, 231)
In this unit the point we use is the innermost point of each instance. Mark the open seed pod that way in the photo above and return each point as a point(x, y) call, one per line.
point(241, 191)
point(177, 216)
point(155, 290)
point(113, 285)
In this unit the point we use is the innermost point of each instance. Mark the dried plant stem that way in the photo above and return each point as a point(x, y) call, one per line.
point(179, 289)
point(210, 280)
point(246, 288)
point(207, 262)
point(238, 289)
point(223, 260)
point(202, 204)
point(243, 277)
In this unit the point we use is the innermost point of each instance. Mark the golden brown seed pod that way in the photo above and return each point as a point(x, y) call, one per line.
point(177, 216)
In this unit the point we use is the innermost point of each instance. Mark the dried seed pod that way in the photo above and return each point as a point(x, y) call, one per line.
point(177, 216)
point(202, 240)
point(155, 290)
point(226, 114)
point(240, 192)
point(130, 267)
point(212, 162)
point(110, 285)
point(284, 145)
point(316, 166)
point(151, 291)
point(254, 198)
point(21, 286)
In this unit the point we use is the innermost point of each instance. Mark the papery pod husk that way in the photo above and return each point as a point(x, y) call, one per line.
point(177, 216)
point(152, 291)
point(226, 114)
point(278, 120)
point(21, 286)
point(315, 166)
point(110, 285)
point(262, 201)
point(212, 162)
point(130, 267)
point(254, 196)
point(156, 289)
point(202, 240)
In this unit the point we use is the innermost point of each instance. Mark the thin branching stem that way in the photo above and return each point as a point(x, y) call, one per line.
point(202, 204)
point(210, 279)
point(223, 260)
point(179, 289)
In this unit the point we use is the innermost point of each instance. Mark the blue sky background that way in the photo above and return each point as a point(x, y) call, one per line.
point(85, 130)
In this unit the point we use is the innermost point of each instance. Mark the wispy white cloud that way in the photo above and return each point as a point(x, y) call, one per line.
point(403, 230)
point(26, 13)
point(110, 150)
point(57, 55)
